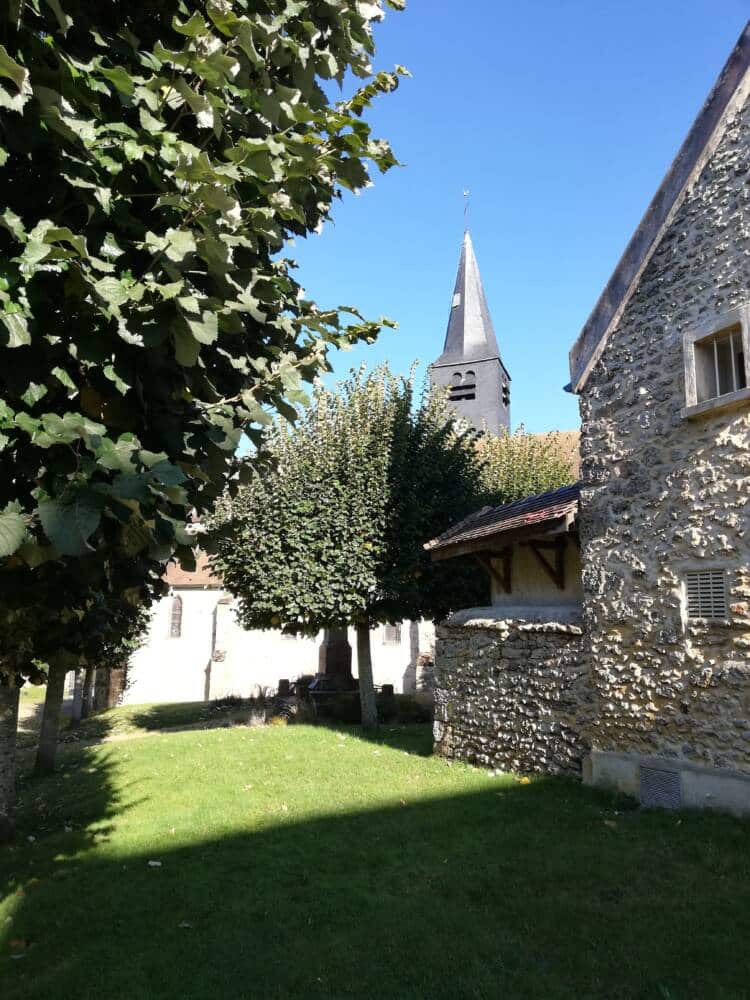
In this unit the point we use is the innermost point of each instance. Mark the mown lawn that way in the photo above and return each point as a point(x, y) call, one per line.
point(308, 862)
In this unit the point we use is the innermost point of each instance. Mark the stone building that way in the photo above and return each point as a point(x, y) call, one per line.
point(511, 680)
point(661, 369)
point(470, 365)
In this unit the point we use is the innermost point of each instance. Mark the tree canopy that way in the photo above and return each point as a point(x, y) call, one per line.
point(521, 465)
point(154, 162)
point(330, 530)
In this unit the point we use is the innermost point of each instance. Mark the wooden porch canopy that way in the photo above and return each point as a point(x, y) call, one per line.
point(543, 523)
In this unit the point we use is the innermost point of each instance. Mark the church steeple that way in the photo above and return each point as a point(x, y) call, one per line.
point(470, 363)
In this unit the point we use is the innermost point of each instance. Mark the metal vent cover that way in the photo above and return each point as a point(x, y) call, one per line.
point(660, 789)
point(706, 594)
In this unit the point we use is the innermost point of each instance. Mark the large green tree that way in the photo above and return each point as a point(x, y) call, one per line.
point(330, 531)
point(521, 465)
point(154, 161)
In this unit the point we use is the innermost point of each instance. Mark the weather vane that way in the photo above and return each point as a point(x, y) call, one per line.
point(466, 207)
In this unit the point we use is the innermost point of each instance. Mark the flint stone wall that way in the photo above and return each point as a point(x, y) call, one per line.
point(512, 693)
point(662, 494)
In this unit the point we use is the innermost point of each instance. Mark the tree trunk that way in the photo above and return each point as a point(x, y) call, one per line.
point(8, 727)
point(88, 692)
point(364, 671)
point(47, 749)
point(77, 713)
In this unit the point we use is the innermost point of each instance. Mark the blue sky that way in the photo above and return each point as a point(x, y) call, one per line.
point(562, 117)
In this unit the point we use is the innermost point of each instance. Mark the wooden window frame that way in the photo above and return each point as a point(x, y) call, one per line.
point(708, 330)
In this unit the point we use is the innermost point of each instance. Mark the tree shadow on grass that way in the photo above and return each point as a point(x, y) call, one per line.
point(537, 890)
point(413, 738)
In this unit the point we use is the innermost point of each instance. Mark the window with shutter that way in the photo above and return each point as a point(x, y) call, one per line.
point(706, 594)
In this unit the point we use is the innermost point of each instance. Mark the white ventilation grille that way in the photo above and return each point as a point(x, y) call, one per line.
point(660, 789)
point(706, 593)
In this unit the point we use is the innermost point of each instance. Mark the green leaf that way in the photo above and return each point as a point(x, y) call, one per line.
point(167, 473)
point(120, 77)
point(193, 28)
point(131, 486)
point(12, 70)
point(149, 123)
point(62, 376)
point(179, 244)
point(70, 524)
point(12, 532)
point(18, 329)
point(112, 290)
point(34, 393)
point(206, 329)
point(186, 348)
point(120, 384)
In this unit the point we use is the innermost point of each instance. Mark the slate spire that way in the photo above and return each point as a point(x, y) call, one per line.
point(470, 363)
point(470, 335)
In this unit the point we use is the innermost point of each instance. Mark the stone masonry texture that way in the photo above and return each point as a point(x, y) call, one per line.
point(512, 694)
point(662, 494)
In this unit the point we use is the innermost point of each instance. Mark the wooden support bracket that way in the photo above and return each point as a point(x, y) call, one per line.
point(502, 579)
point(555, 571)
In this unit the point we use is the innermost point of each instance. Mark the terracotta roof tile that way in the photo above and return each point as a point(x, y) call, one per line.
point(176, 576)
point(524, 513)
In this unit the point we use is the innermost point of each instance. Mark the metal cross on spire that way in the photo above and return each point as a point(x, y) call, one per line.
point(467, 192)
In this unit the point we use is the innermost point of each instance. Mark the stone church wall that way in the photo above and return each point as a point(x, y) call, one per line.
point(663, 494)
point(511, 693)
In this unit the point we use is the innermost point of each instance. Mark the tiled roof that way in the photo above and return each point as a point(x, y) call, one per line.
point(527, 513)
point(176, 576)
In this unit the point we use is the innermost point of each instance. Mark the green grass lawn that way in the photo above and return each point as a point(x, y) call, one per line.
point(308, 862)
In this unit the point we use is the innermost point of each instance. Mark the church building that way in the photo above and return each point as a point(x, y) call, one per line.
point(197, 650)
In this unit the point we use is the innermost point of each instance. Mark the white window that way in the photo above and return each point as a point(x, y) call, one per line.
point(392, 635)
point(716, 362)
point(706, 594)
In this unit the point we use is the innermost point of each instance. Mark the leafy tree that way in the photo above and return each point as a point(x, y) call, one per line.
point(330, 531)
point(154, 161)
point(520, 465)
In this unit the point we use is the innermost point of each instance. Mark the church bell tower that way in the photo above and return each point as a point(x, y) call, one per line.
point(470, 365)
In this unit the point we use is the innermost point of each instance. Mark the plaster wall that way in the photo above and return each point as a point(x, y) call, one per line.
point(533, 587)
point(215, 657)
point(663, 494)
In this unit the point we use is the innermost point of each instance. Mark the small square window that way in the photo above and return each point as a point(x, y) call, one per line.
point(720, 365)
point(717, 353)
point(392, 635)
point(706, 594)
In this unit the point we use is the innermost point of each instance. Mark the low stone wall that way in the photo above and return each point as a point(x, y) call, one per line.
point(512, 692)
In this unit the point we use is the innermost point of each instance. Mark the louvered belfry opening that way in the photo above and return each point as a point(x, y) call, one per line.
point(706, 594)
point(463, 386)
